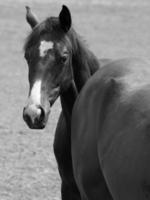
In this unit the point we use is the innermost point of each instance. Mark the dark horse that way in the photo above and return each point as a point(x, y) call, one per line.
point(59, 65)
point(111, 132)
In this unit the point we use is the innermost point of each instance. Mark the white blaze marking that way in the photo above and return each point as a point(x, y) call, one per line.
point(36, 92)
point(44, 47)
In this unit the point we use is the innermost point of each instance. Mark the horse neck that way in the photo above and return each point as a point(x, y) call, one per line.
point(84, 62)
point(68, 98)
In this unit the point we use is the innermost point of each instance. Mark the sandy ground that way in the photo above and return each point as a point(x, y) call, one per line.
point(28, 170)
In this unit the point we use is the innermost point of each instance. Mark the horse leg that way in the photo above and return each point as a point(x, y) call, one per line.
point(62, 151)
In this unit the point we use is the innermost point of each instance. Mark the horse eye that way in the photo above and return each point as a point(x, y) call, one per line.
point(63, 58)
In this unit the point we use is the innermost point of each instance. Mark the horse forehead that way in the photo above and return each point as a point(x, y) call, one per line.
point(45, 46)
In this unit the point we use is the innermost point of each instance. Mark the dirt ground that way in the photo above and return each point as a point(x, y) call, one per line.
point(28, 169)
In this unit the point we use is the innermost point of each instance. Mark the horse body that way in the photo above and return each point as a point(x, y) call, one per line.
point(110, 132)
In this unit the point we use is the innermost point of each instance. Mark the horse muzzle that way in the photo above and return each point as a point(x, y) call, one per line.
point(35, 116)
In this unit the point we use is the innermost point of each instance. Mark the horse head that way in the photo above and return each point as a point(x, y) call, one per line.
point(48, 53)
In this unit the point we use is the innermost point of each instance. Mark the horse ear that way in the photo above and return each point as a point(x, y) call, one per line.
point(31, 18)
point(65, 18)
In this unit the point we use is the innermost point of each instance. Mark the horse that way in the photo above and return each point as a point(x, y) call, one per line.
point(111, 131)
point(59, 65)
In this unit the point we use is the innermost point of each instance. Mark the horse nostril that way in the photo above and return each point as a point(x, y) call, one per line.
point(41, 113)
point(26, 117)
point(34, 115)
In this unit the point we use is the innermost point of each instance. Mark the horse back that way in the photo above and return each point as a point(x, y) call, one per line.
point(110, 124)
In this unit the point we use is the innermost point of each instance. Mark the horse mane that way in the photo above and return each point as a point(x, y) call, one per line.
point(84, 61)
